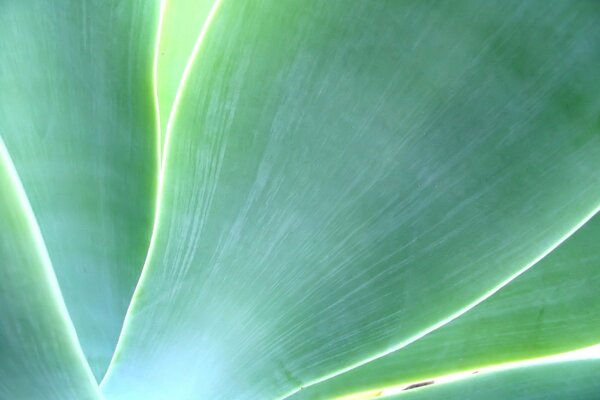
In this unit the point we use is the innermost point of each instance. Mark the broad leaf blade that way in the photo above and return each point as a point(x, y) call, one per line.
point(76, 114)
point(341, 178)
point(550, 309)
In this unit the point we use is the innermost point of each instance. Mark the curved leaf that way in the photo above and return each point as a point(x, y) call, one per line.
point(550, 309)
point(181, 22)
point(76, 114)
point(340, 178)
point(568, 380)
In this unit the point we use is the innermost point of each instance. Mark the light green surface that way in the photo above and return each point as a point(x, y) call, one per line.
point(76, 115)
point(337, 179)
point(341, 177)
point(577, 380)
point(181, 24)
point(553, 308)
point(40, 358)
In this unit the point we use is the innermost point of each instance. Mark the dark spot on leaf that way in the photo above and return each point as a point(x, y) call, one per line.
point(419, 384)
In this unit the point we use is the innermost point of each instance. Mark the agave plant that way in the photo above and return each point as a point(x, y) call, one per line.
point(299, 199)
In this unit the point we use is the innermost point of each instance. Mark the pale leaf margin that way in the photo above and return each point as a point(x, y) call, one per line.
point(454, 315)
point(162, 154)
point(49, 276)
point(586, 353)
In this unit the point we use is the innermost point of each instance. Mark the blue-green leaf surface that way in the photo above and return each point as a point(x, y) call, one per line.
point(40, 357)
point(551, 309)
point(77, 116)
point(339, 179)
point(558, 381)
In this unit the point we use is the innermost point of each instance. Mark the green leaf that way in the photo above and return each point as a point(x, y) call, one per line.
point(550, 309)
point(40, 357)
point(569, 380)
point(76, 114)
point(180, 24)
point(340, 179)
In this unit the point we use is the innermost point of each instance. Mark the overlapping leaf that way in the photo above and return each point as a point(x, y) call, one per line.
point(40, 357)
point(551, 309)
point(76, 114)
point(339, 178)
point(180, 24)
point(571, 380)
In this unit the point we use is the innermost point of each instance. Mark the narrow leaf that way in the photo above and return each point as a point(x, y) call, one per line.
point(76, 114)
point(40, 357)
point(557, 381)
